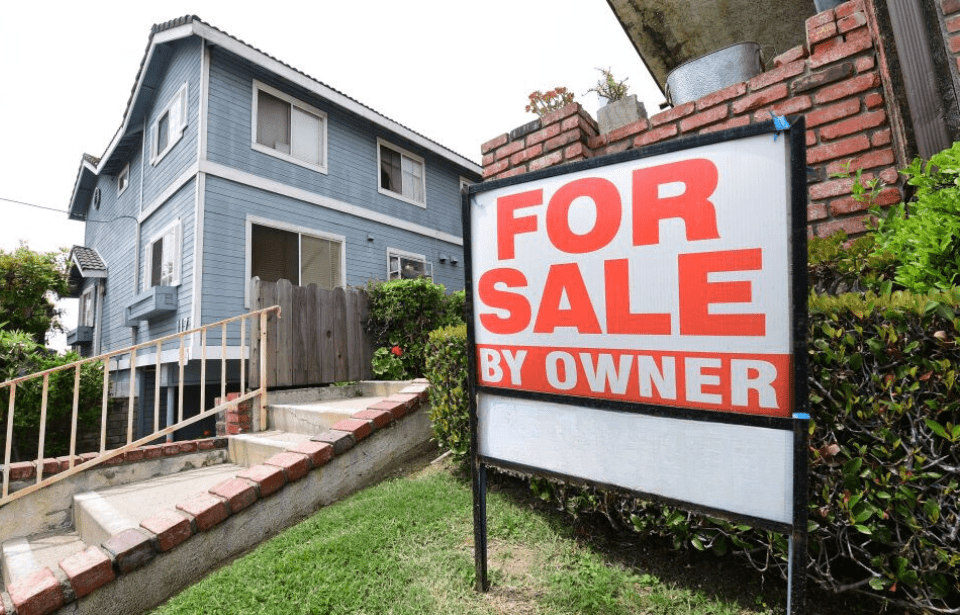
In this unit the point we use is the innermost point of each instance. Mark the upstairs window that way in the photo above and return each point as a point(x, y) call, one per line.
point(123, 180)
point(407, 266)
point(169, 126)
point(87, 307)
point(288, 128)
point(301, 258)
point(401, 174)
point(162, 260)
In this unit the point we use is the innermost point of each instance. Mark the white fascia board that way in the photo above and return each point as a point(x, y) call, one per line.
point(158, 39)
point(261, 59)
point(84, 166)
point(268, 185)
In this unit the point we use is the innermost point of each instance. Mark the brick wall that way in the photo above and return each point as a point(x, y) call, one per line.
point(950, 10)
point(833, 80)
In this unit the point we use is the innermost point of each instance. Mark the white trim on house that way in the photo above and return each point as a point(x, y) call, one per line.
point(294, 103)
point(290, 228)
point(255, 181)
point(259, 58)
point(123, 180)
point(176, 111)
point(191, 353)
point(381, 143)
point(168, 192)
point(175, 257)
point(196, 298)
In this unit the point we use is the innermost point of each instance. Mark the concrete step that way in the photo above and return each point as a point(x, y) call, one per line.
point(100, 514)
point(314, 417)
point(24, 556)
point(250, 449)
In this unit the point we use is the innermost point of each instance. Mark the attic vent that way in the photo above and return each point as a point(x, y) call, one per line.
point(96, 198)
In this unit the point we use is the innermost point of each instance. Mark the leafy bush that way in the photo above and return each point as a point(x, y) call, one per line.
point(26, 279)
point(449, 394)
point(402, 314)
point(836, 265)
point(924, 236)
point(884, 376)
point(20, 355)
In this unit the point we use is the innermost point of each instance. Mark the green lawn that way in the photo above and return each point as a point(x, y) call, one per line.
point(406, 546)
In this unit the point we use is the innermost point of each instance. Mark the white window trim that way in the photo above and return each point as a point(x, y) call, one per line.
point(124, 175)
point(292, 228)
point(177, 225)
point(391, 252)
point(176, 132)
point(258, 86)
point(411, 155)
point(92, 314)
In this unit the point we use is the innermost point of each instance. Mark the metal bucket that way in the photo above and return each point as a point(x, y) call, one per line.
point(726, 66)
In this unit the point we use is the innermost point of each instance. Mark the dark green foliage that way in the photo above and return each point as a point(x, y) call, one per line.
point(835, 265)
point(924, 236)
point(884, 457)
point(402, 314)
point(26, 280)
point(447, 372)
point(20, 355)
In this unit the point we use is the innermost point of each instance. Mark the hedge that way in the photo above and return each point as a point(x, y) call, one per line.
point(884, 457)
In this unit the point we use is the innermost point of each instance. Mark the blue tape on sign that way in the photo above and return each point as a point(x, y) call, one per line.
point(780, 123)
point(801, 416)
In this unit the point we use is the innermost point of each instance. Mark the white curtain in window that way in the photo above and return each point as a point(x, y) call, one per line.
point(307, 136)
point(412, 179)
point(319, 262)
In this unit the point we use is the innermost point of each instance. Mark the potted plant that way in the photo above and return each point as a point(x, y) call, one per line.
point(617, 108)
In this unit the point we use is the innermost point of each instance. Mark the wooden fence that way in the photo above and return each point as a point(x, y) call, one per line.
point(320, 337)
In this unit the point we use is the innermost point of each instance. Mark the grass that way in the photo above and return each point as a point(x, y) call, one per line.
point(405, 546)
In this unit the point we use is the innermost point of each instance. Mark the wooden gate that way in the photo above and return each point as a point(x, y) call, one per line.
point(319, 338)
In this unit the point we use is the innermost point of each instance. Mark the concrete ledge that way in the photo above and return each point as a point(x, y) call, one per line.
point(51, 508)
point(167, 573)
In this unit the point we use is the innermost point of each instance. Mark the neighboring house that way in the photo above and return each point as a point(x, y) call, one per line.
point(230, 164)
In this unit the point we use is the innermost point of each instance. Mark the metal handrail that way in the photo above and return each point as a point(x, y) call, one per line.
point(157, 432)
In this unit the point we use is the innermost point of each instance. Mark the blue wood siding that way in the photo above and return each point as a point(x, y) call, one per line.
point(227, 205)
point(352, 173)
point(184, 66)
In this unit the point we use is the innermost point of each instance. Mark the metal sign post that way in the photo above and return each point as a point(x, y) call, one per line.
point(638, 322)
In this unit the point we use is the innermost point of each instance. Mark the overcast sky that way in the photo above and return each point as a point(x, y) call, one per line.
point(456, 72)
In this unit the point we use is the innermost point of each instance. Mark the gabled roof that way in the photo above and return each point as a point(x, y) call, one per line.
point(151, 73)
point(84, 263)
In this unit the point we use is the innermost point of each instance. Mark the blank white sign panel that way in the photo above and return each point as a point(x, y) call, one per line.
point(740, 469)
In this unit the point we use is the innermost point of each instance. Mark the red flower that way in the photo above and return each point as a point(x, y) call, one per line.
point(397, 351)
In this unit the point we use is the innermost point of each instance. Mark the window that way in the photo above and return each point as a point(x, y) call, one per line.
point(301, 258)
point(87, 307)
point(289, 129)
point(169, 126)
point(123, 180)
point(407, 266)
point(162, 260)
point(401, 174)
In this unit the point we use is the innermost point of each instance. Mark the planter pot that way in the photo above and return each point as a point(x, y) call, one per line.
point(620, 113)
point(823, 5)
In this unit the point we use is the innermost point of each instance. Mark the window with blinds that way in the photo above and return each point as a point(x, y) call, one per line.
point(288, 128)
point(303, 259)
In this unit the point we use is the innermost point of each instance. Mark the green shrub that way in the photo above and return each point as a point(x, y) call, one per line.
point(402, 314)
point(884, 378)
point(836, 265)
point(20, 355)
point(924, 236)
point(449, 394)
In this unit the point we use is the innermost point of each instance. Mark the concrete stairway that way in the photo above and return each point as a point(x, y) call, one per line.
point(131, 546)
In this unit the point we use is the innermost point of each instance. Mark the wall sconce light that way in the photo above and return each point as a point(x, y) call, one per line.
point(443, 257)
point(369, 237)
point(453, 260)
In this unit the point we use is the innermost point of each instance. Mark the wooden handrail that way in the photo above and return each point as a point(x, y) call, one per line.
point(133, 351)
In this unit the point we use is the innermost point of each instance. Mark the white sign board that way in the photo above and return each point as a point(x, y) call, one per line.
point(662, 286)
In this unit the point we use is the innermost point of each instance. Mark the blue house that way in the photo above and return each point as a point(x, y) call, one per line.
point(231, 164)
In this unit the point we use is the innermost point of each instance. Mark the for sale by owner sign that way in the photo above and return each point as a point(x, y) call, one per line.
point(661, 281)
point(633, 323)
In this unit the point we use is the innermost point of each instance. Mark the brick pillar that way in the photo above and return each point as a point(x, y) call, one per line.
point(236, 419)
